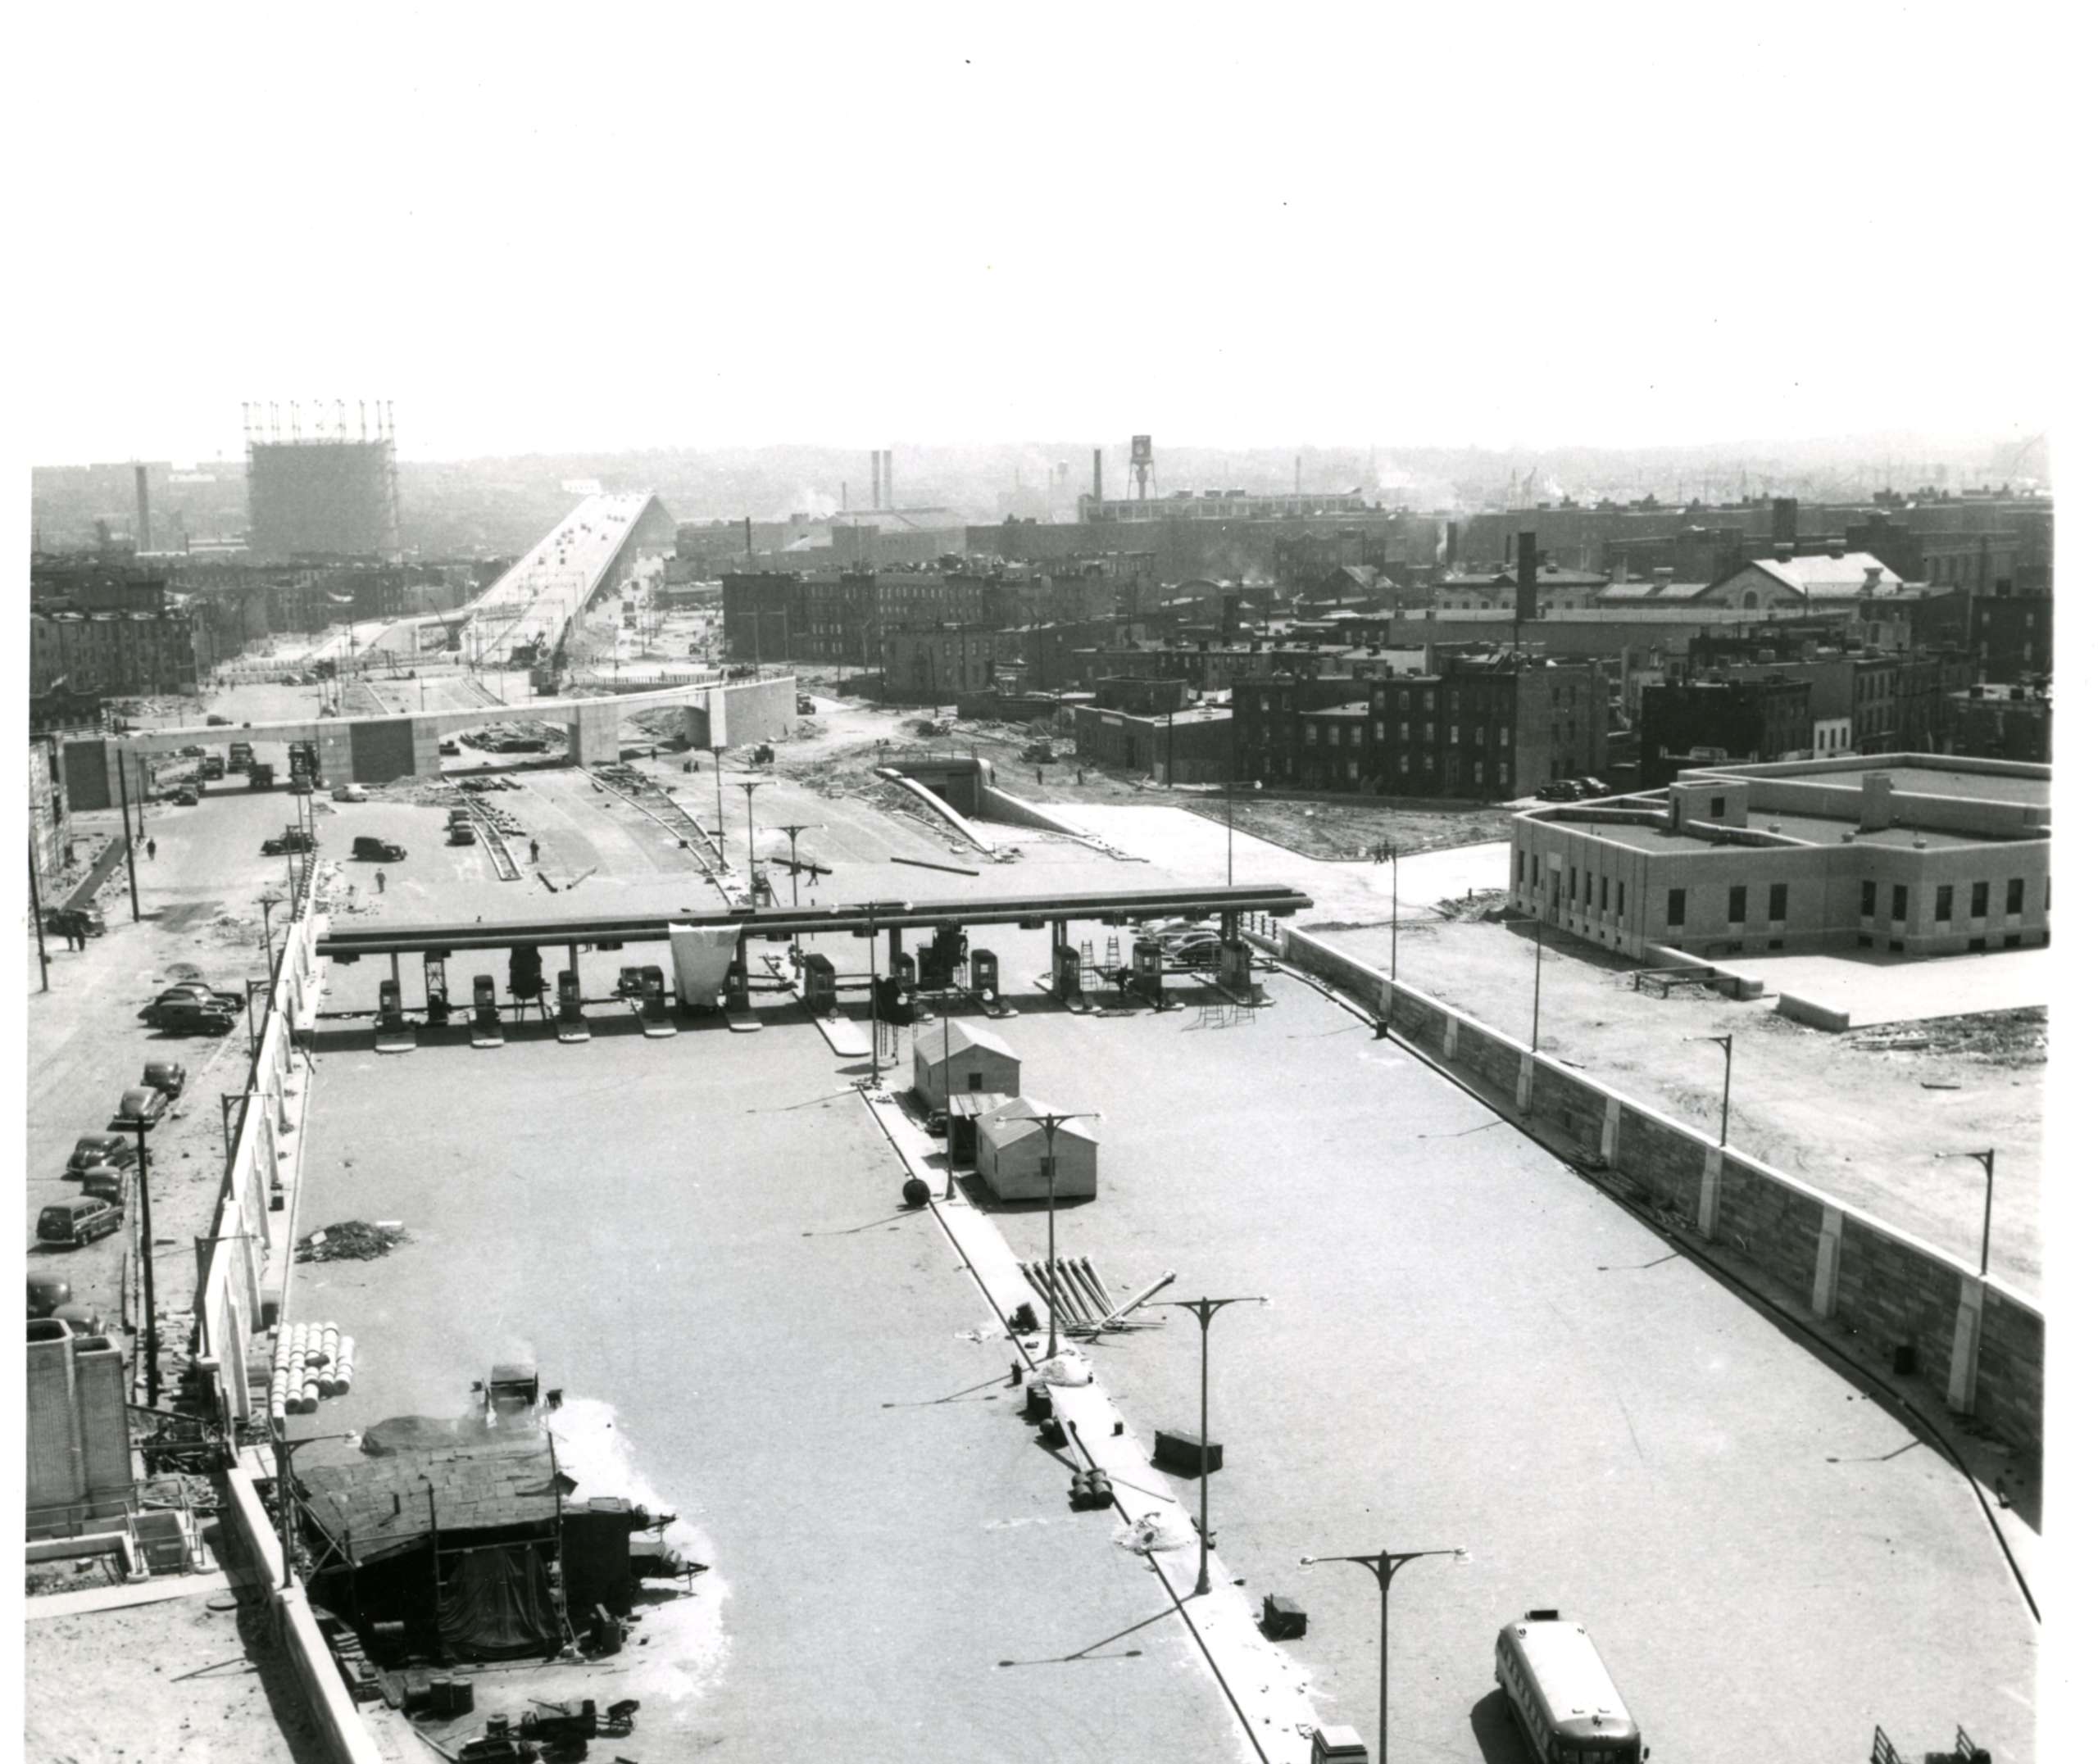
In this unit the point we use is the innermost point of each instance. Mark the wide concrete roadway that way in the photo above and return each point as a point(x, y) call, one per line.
point(1470, 1344)
point(705, 1233)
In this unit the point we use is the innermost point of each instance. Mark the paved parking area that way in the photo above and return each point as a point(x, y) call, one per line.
point(704, 1233)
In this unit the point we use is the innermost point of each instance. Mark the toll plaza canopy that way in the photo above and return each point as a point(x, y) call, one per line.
point(1111, 907)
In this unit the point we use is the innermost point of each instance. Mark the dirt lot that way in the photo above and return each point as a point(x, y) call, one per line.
point(197, 1685)
point(1348, 831)
point(1865, 1116)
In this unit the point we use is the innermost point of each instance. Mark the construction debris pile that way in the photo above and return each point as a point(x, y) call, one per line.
point(1995, 1038)
point(352, 1240)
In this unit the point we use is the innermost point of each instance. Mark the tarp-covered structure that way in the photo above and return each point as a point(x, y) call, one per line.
point(462, 1542)
point(700, 956)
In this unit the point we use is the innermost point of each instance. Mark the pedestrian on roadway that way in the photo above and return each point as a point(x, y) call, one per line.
point(1037, 774)
point(379, 876)
point(535, 851)
point(152, 850)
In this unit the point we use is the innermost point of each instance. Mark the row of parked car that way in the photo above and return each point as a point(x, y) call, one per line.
point(101, 1162)
point(1573, 790)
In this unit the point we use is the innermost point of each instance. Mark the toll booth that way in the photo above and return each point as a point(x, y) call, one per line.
point(1070, 975)
point(1234, 967)
point(655, 1019)
point(903, 971)
point(818, 984)
point(568, 994)
point(933, 972)
point(487, 1015)
point(1147, 971)
point(395, 1035)
point(984, 974)
point(528, 975)
point(436, 994)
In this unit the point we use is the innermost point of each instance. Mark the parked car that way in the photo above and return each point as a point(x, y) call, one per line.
point(1558, 790)
point(804, 706)
point(350, 793)
point(103, 1182)
point(1591, 787)
point(214, 766)
point(447, 747)
point(168, 1077)
point(459, 833)
point(188, 1017)
point(48, 1292)
point(87, 920)
point(193, 753)
point(186, 797)
point(215, 721)
point(141, 1105)
point(292, 839)
point(203, 992)
point(366, 850)
point(93, 1150)
point(74, 1224)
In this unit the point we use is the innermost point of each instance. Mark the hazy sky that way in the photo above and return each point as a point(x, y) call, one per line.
point(598, 227)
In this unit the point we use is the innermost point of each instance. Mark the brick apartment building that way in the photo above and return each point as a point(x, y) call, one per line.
point(1766, 716)
point(1484, 729)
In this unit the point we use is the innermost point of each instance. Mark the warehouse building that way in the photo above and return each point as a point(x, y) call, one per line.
point(1914, 854)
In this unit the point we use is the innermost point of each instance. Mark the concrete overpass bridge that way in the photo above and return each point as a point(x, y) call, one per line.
point(377, 750)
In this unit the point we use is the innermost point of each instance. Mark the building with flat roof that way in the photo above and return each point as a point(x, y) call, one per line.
point(1912, 853)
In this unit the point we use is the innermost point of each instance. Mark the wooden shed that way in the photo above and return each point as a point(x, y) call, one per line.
point(1010, 1147)
point(953, 1059)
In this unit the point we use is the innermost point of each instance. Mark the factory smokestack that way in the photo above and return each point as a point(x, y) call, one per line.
point(876, 457)
point(145, 514)
point(888, 479)
point(1526, 577)
point(1095, 477)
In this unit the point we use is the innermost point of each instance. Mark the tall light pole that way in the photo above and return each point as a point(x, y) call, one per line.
point(1228, 827)
point(1384, 1564)
point(130, 857)
point(1050, 1121)
point(750, 787)
point(1987, 1160)
point(720, 826)
point(1726, 1045)
point(1202, 1310)
point(1386, 851)
point(36, 911)
point(152, 1342)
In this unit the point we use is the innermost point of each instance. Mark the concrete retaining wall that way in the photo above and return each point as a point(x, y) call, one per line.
point(1001, 805)
point(253, 1544)
point(1980, 1343)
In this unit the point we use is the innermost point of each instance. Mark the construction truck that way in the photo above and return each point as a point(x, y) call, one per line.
point(261, 775)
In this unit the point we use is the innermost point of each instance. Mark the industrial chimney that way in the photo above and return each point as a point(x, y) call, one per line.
point(875, 500)
point(145, 515)
point(888, 479)
point(1526, 577)
point(1095, 477)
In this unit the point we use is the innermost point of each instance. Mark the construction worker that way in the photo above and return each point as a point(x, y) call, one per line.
point(379, 876)
point(152, 850)
point(535, 851)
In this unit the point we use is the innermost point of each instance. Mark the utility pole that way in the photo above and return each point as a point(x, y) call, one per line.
point(36, 911)
point(1049, 1122)
point(130, 857)
point(1203, 1310)
point(750, 787)
point(153, 1338)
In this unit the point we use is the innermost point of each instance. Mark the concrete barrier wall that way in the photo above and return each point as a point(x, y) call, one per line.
point(252, 1541)
point(1980, 1342)
point(1001, 805)
point(233, 1291)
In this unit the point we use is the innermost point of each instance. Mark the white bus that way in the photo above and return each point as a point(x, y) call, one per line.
point(1560, 1694)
